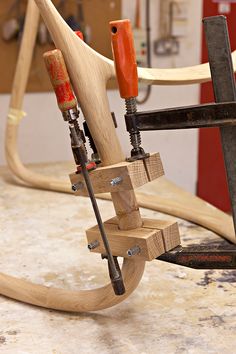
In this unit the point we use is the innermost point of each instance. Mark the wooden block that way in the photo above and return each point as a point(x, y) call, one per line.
point(169, 230)
point(153, 166)
point(149, 241)
point(133, 175)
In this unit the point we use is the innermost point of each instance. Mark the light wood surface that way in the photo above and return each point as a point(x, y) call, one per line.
point(26, 53)
point(148, 240)
point(67, 300)
point(110, 151)
point(89, 74)
point(133, 175)
point(185, 205)
point(39, 181)
point(169, 233)
point(153, 76)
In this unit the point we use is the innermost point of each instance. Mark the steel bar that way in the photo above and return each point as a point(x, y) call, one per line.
point(114, 269)
point(206, 115)
point(223, 81)
point(202, 257)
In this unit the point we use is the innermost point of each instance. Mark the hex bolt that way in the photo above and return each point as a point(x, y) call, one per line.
point(93, 245)
point(115, 181)
point(133, 251)
point(76, 186)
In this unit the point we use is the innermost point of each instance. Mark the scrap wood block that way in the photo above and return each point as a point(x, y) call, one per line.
point(169, 230)
point(130, 175)
point(154, 238)
point(149, 241)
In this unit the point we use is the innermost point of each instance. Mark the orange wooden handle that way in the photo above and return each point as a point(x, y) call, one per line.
point(60, 80)
point(124, 57)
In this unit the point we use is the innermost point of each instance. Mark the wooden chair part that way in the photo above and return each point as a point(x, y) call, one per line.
point(216, 220)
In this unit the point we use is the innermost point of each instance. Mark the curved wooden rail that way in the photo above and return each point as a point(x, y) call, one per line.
point(60, 299)
point(68, 300)
point(132, 271)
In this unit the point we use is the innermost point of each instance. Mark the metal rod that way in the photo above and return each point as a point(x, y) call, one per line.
point(206, 115)
point(223, 80)
point(115, 273)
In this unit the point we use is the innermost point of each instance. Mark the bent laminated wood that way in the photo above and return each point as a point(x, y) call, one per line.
point(84, 80)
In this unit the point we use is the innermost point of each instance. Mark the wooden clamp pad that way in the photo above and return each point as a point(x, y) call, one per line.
point(154, 238)
point(133, 175)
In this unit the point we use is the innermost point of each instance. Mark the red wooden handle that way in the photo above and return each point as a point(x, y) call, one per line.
point(124, 57)
point(60, 80)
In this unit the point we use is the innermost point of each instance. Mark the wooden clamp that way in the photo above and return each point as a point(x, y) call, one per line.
point(120, 177)
point(82, 60)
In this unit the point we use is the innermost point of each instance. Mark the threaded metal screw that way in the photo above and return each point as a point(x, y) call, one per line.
point(93, 245)
point(133, 251)
point(115, 181)
point(76, 186)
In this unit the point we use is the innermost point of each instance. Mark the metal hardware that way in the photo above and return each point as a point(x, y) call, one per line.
point(115, 181)
point(71, 114)
point(202, 257)
point(114, 270)
point(134, 251)
point(95, 156)
point(223, 81)
point(197, 116)
point(93, 245)
point(137, 153)
point(75, 187)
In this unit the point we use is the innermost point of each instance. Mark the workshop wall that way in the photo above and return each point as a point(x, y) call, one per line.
point(44, 136)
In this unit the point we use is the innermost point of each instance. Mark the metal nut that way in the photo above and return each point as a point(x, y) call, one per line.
point(93, 245)
point(133, 251)
point(115, 181)
point(76, 186)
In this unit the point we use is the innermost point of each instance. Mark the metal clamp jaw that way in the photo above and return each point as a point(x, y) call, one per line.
point(220, 114)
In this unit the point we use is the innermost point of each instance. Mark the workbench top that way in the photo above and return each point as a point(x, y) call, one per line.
point(174, 310)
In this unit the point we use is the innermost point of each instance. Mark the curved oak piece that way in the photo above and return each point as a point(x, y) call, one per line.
point(104, 297)
point(164, 203)
point(125, 206)
point(68, 300)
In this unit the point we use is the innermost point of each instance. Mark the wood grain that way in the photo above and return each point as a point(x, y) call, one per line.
point(110, 152)
point(184, 205)
point(150, 241)
point(133, 175)
point(169, 231)
point(68, 300)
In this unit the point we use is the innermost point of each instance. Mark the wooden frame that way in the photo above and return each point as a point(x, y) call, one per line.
point(185, 205)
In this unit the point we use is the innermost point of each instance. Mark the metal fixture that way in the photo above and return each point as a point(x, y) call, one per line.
point(75, 187)
point(68, 105)
point(93, 245)
point(117, 180)
point(134, 251)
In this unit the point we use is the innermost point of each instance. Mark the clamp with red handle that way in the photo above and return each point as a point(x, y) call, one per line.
point(127, 77)
point(68, 105)
point(66, 100)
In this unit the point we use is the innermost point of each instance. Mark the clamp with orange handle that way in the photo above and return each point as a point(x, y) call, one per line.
point(127, 77)
point(68, 105)
point(66, 100)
